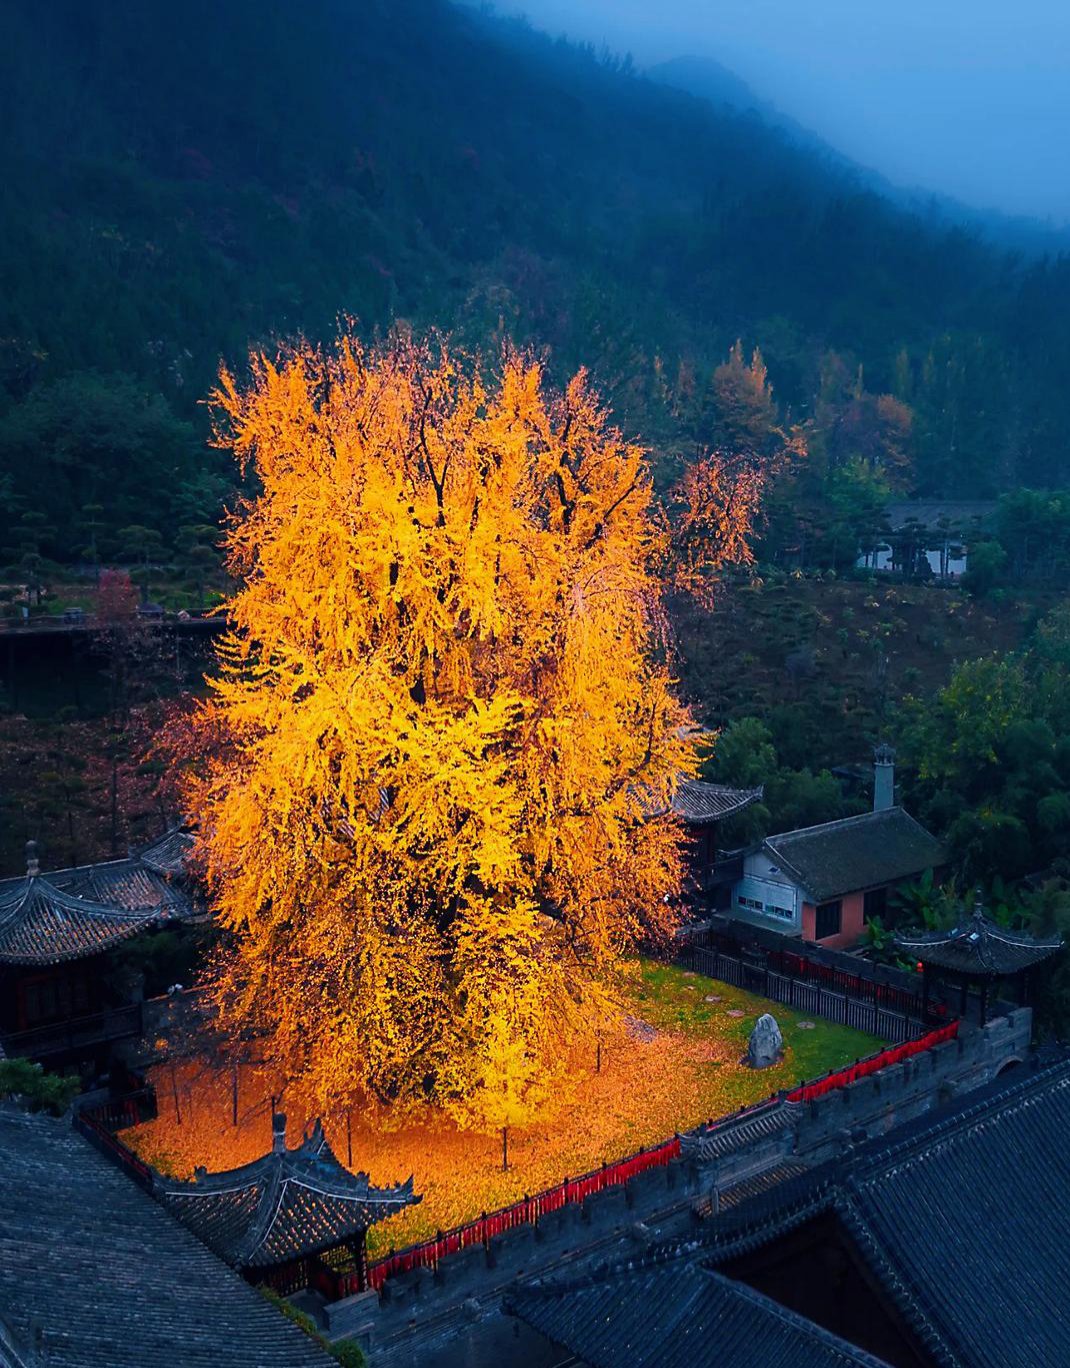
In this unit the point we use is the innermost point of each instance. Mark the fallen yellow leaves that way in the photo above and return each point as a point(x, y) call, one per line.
point(675, 1063)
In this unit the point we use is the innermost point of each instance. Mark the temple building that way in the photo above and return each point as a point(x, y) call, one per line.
point(703, 808)
point(980, 952)
point(279, 1217)
point(58, 1000)
point(941, 1244)
point(824, 883)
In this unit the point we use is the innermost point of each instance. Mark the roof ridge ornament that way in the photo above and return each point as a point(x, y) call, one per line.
point(33, 864)
point(981, 933)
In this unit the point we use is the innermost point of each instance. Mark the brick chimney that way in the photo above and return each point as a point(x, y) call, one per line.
point(883, 778)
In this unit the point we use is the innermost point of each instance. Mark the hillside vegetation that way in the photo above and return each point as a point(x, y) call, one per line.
point(183, 181)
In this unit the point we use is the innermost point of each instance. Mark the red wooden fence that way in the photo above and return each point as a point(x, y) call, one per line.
point(528, 1211)
point(864, 1067)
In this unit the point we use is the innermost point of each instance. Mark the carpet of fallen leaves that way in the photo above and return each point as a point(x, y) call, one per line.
point(675, 1062)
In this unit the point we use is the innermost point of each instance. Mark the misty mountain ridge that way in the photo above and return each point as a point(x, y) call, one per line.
point(183, 183)
point(707, 79)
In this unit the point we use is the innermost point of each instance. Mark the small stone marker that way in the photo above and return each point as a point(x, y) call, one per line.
point(807, 1026)
point(712, 997)
point(736, 1012)
point(639, 1029)
point(766, 1045)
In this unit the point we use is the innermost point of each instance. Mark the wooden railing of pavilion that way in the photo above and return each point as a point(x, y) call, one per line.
point(76, 1033)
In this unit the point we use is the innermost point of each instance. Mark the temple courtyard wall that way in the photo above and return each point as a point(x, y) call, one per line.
point(426, 1307)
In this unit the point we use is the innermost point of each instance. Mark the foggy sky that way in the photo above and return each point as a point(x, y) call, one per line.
point(970, 98)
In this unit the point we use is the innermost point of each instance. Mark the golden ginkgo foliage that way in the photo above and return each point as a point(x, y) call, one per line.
point(439, 722)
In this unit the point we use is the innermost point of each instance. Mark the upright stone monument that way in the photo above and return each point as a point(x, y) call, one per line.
point(766, 1045)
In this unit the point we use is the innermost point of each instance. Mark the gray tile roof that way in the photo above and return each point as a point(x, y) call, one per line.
point(73, 913)
point(731, 1134)
point(287, 1203)
point(960, 1216)
point(676, 1314)
point(965, 1223)
point(856, 853)
point(167, 855)
point(979, 948)
point(698, 802)
point(960, 514)
point(95, 1274)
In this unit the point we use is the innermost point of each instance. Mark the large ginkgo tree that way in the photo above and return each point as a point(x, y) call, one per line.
point(434, 770)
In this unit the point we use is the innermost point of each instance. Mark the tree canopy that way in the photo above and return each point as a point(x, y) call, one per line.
point(443, 729)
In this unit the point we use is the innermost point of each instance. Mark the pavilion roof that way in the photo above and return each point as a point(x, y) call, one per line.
point(699, 803)
point(70, 914)
point(167, 855)
point(282, 1206)
point(978, 947)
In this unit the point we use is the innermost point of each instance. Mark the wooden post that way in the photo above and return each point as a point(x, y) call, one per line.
point(358, 1252)
point(984, 1001)
point(598, 1056)
point(174, 1094)
point(505, 1149)
point(349, 1135)
point(234, 1094)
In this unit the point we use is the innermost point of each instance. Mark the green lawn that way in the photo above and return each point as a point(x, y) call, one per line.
point(673, 999)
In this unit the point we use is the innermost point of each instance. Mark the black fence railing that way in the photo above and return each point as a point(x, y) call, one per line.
point(829, 984)
point(75, 1034)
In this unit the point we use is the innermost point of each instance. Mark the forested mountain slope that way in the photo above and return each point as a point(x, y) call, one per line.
point(182, 180)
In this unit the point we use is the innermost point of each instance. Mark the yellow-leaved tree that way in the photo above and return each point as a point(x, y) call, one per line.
point(440, 724)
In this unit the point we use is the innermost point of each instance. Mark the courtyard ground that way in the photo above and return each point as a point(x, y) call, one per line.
point(675, 1062)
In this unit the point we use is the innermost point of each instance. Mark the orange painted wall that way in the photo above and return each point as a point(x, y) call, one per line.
point(852, 921)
